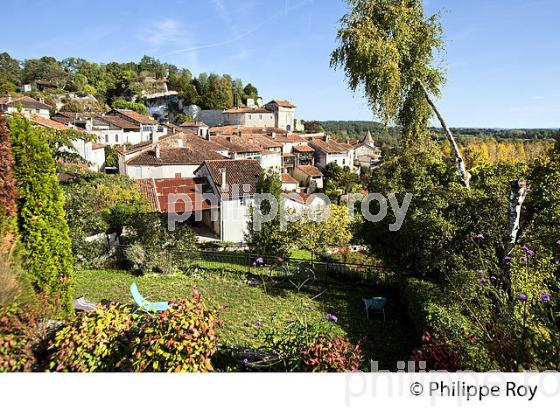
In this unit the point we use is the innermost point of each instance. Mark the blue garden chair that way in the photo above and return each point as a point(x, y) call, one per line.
point(375, 304)
point(144, 304)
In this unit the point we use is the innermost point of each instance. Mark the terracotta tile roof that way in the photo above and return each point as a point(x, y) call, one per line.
point(48, 123)
point(25, 101)
point(288, 179)
point(301, 197)
point(148, 189)
point(97, 145)
point(239, 172)
point(236, 144)
point(130, 149)
point(288, 138)
point(281, 103)
point(135, 117)
point(303, 148)
point(310, 170)
point(287, 155)
point(119, 122)
point(235, 129)
point(331, 146)
point(262, 140)
point(247, 110)
point(157, 192)
point(173, 156)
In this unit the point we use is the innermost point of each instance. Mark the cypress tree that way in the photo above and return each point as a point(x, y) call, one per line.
point(42, 226)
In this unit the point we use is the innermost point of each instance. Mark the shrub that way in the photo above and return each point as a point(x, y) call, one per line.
point(9, 279)
point(333, 355)
point(129, 105)
point(24, 334)
point(135, 256)
point(440, 314)
point(436, 355)
point(98, 341)
point(181, 339)
point(42, 229)
point(291, 342)
point(16, 345)
point(113, 338)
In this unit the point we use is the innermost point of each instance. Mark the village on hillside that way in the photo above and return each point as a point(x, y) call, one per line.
point(238, 143)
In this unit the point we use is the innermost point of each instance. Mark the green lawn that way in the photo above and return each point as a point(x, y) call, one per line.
point(241, 305)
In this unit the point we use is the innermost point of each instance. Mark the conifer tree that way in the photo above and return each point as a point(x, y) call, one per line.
point(42, 226)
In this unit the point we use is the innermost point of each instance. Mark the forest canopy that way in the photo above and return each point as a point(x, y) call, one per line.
point(129, 81)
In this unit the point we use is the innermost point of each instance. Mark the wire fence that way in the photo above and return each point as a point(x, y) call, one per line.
point(317, 271)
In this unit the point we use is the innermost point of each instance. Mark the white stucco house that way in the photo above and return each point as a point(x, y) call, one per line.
point(234, 182)
point(29, 106)
point(328, 150)
point(91, 151)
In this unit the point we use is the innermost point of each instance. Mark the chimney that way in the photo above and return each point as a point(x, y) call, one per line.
point(273, 134)
point(223, 183)
point(9, 98)
point(158, 151)
point(180, 142)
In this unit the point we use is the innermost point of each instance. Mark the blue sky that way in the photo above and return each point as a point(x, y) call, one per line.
point(502, 58)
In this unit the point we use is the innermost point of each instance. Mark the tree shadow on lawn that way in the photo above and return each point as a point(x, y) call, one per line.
point(386, 342)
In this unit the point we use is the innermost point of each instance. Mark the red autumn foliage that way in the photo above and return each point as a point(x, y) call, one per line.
point(435, 352)
point(8, 193)
point(333, 355)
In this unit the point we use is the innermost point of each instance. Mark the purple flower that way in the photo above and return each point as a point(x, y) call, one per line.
point(246, 362)
point(478, 237)
point(522, 297)
point(493, 277)
point(523, 259)
point(528, 251)
point(545, 297)
point(558, 242)
point(259, 261)
point(332, 318)
point(483, 280)
point(258, 323)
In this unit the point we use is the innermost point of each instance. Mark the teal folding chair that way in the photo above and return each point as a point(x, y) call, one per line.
point(144, 304)
point(375, 304)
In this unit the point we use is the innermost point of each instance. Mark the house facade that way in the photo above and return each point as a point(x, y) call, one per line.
point(367, 154)
point(308, 176)
point(329, 151)
point(234, 183)
point(29, 106)
point(284, 114)
point(249, 117)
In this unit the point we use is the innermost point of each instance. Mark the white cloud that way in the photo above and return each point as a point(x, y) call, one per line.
point(168, 34)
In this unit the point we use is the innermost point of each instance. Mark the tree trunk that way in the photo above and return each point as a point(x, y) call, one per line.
point(517, 195)
point(463, 173)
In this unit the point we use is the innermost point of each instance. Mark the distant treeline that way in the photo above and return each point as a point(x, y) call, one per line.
point(356, 130)
point(348, 130)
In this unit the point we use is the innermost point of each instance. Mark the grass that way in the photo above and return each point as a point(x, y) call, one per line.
point(241, 305)
point(301, 254)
